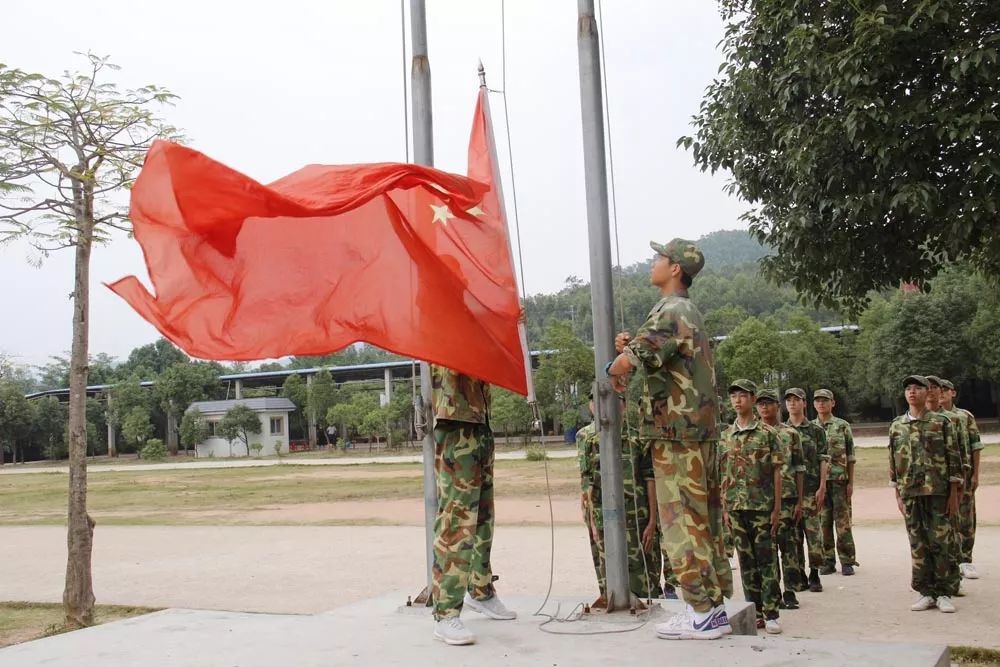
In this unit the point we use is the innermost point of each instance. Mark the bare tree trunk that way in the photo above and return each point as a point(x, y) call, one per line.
point(78, 595)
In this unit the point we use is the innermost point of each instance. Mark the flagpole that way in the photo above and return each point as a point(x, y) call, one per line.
point(608, 414)
point(497, 183)
point(423, 153)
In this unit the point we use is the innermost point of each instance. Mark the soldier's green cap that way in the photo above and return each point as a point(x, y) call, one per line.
point(823, 393)
point(934, 380)
point(684, 253)
point(767, 395)
point(743, 385)
point(795, 391)
point(947, 384)
point(915, 379)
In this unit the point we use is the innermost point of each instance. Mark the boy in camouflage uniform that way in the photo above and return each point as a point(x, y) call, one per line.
point(925, 467)
point(793, 472)
point(679, 412)
point(463, 529)
point(840, 486)
point(750, 461)
point(967, 508)
point(817, 464)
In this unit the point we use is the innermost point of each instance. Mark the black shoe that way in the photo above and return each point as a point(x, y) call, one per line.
point(789, 601)
point(828, 569)
point(848, 570)
point(814, 584)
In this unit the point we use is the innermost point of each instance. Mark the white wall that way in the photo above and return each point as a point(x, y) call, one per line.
point(218, 447)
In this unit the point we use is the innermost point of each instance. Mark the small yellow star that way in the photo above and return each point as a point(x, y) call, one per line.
point(476, 211)
point(441, 214)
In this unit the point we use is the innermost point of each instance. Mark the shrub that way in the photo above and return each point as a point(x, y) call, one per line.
point(153, 450)
point(256, 448)
point(536, 453)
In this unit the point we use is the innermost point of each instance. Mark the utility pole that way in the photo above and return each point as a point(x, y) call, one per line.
point(608, 413)
point(423, 153)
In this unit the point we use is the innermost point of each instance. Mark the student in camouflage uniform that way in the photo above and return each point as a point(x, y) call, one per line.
point(750, 461)
point(817, 464)
point(967, 508)
point(925, 467)
point(793, 471)
point(463, 529)
point(640, 524)
point(679, 412)
point(840, 486)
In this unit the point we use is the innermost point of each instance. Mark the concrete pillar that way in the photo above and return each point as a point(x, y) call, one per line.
point(388, 386)
point(112, 432)
point(239, 389)
point(310, 413)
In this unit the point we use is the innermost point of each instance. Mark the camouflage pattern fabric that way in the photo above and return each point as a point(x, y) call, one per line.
point(811, 530)
point(671, 351)
point(789, 548)
point(589, 461)
point(747, 460)
point(459, 397)
point(967, 518)
point(961, 435)
point(463, 529)
point(837, 512)
point(934, 567)
point(758, 560)
point(793, 462)
point(814, 452)
point(923, 455)
point(689, 501)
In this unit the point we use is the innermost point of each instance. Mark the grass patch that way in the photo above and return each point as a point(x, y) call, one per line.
point(974, 656)
point(24, 621)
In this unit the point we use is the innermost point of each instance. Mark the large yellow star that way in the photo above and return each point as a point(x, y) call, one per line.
point(441, 214)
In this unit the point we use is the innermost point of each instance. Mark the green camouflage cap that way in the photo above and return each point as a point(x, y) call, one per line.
point(915, 379)
point(743, 385)
point(823, 393)
point(767, 395)
point(795, 391)
point(947, 384)
point(684, 253)
point(933, 380)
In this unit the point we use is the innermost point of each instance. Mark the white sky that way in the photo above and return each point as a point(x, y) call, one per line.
point(270, 87)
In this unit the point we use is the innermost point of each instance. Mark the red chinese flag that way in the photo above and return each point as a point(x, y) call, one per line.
point(408, 258)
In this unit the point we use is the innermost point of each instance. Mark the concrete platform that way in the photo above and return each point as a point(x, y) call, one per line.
point(378, 632)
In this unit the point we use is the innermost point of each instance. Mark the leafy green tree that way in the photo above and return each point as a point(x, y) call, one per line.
point(178, 386)
point(564, 376)
point(510, 413)
point(15, 420)
point(136, 426)
point(294, 389)
point(149, 361)
point(124, 398)
point(864, 136)
point(69, 147)
point(48, 426)
point(322, 395)
point(239, 423)
point(754, 351)
point(193, 430)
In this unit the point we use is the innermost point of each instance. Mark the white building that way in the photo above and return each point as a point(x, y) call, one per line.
point(273, 414)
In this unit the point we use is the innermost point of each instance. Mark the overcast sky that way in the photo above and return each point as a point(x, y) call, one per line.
point(270, 87)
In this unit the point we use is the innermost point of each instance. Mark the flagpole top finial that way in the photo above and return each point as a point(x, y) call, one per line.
point(482, 74)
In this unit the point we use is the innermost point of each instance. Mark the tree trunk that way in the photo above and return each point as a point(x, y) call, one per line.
point(78, 595)
point(172, 429)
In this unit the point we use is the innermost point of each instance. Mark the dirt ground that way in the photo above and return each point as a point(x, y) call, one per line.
point(308, 569)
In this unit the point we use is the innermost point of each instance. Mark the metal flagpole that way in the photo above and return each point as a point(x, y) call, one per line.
point(608, 414)
point(423, 153)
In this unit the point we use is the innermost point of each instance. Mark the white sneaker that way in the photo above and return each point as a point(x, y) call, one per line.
point(452, 631)
point(722, 620)
point(772, 626)
point(923, 604)
point(684, 626)
point(968, 570)
point(491, 608)
point(944, 603)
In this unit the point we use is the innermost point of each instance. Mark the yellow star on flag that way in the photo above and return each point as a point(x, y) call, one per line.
point(476, 211)
point(441, 214)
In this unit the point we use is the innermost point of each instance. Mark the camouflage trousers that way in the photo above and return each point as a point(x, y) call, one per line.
point(463, 529)
point(643, 565)
point(690, 506)
point(837, 513)
point(810, 530)
point(966, 527)
point(758, 560)
point(790, 548)
point(935, 570)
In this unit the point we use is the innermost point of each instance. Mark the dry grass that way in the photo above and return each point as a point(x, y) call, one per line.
point(24, 621)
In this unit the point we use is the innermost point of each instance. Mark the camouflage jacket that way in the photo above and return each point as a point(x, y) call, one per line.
point(814, 452)
point(923, 455)
point(671, 352)
point(972, 428)
point(459, 397)
point(637, 464)
point(747, 458)
point(793, 462)
point(840, 445)
point(961, 435)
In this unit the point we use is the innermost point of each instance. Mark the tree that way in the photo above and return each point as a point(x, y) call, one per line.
point(864, 136)
point(149, 361)
point(48, 427)
point(295, 390)
point(68, 148)
point(322, 395)
point(563, 377)
point(15, 420)
point(136, 426)
point(123, 399)
point(194, 429)
point(238, 423)
point(510, 413)
point(178, 386)
point(753, 351)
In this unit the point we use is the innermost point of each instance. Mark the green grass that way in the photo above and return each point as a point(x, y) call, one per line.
point(973, 656)
point(24, 621)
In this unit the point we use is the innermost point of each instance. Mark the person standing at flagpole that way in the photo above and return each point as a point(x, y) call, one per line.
point(463, 529)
